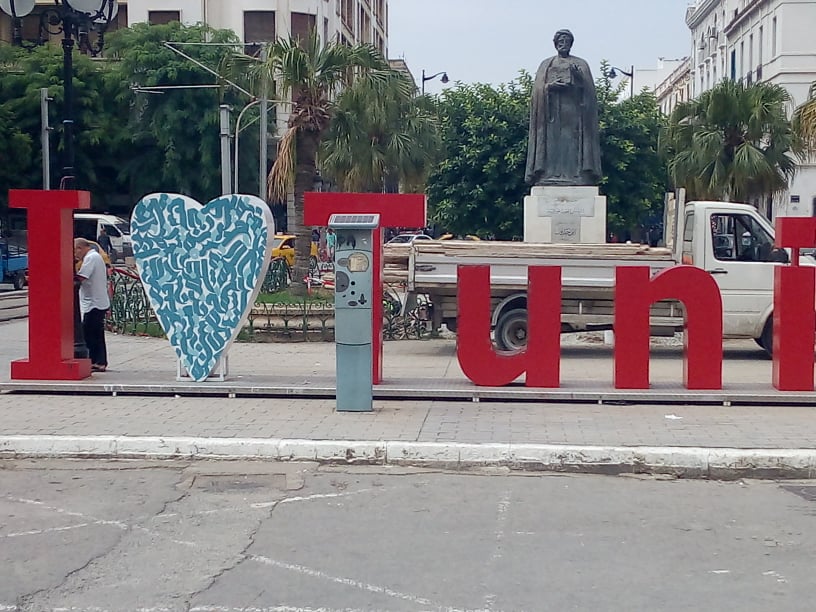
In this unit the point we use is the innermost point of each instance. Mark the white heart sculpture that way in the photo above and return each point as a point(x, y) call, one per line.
point(202, 268)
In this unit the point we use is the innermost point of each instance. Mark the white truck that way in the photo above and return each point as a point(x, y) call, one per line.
point(733, 242)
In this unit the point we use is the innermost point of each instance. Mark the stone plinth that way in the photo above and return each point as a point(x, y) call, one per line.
point(570, 214)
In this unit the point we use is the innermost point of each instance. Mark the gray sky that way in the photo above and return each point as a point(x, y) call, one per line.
point(489, 41)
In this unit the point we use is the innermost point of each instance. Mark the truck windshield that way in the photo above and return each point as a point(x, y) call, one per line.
point(123, 227)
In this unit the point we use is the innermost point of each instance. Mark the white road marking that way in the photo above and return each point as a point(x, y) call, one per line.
point(372, 588)
point(498, 538)
point(290, 500)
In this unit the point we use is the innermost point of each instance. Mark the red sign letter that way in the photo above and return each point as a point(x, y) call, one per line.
point(635, 293)
point(794, 314)
point(50, 290)
point(479, 360)
point(395, 210)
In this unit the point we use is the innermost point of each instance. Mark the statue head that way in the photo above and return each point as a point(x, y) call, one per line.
point(563, 40)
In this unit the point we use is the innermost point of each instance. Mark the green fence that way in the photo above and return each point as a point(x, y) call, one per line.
point(276, 316)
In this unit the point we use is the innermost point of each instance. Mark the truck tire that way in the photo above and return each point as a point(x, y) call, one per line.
point(19, 280)
point(511, 330)
point(766, 339)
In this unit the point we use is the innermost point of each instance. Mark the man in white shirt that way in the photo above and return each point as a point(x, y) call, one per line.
point(93, 301)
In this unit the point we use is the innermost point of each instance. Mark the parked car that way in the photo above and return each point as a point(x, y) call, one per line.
point(454, 237)
point(13, 265)
point(284, 246)
point(408, 238)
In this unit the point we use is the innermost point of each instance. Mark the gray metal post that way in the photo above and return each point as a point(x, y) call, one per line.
point(226, 170)
point(45, 137)
point(262, 173)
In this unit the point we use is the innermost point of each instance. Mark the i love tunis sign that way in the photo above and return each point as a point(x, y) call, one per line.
point(794, 322)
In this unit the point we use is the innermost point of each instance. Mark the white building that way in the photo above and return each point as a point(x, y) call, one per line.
point(651, 78)
point(675, 88)
point(350, 21)
point(759, 40)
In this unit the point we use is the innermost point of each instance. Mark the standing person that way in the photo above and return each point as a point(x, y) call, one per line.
point(93, 301)
point(104, 241)
point(331, 243)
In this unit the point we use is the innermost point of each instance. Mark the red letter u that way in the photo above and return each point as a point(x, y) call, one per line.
point(479, 360)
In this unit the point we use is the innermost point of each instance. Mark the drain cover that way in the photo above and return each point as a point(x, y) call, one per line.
point(808, 493)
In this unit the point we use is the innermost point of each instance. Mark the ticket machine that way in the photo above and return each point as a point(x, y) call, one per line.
point(353, 301)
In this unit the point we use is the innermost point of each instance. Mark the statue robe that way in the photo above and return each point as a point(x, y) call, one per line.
point(564, 146)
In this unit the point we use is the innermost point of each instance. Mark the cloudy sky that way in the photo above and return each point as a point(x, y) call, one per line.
point(489, 41)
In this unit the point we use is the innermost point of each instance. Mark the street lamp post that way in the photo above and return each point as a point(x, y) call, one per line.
point(613, 73)
point(74, 19)
point(444, 78)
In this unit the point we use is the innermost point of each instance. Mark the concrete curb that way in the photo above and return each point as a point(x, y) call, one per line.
point(685, 462)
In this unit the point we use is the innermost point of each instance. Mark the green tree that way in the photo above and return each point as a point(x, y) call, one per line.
point(478, 187)
point(634, 173)
point(734, 142)
point(22, 74)
point(804, 121)
point(381, 140)
point(15, 150)
point(171, 141)
point(311, 74)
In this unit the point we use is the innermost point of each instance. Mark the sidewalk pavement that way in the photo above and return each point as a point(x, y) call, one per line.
point(708, 441)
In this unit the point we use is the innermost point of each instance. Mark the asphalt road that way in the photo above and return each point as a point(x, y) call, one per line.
point(223, 537)
point(13, 304)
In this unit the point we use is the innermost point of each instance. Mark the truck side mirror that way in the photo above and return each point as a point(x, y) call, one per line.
point(779, 256)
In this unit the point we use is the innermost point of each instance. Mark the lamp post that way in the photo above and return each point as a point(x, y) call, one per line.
point(444, 78)
point(613, 73)
point(74, 19)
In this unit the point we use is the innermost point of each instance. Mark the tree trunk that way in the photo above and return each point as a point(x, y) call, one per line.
point(305, 169)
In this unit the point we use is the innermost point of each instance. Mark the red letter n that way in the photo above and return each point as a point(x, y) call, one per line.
point(478, 358)
point(635, 292)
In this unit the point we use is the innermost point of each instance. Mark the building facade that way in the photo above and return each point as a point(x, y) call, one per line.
point(759, 40)
point(348, 21)
point(675, 88)
point(651, 78)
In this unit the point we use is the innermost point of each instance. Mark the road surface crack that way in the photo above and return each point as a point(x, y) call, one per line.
point(240, 557)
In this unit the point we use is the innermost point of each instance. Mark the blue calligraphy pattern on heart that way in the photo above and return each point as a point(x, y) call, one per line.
point(202, 268)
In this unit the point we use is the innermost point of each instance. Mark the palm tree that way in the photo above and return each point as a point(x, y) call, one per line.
point(734, 142)
point(804, 121)
point(312, 75)
point(381, 141)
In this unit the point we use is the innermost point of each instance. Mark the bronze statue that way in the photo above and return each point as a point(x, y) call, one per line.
point(564, 147)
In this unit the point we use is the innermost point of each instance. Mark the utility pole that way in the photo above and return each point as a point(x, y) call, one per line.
point(262, 170)
point(226, 172)
point(45, 137)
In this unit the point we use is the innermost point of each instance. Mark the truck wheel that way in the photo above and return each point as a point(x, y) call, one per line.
point(766, 339)
point(511, 330)
point(19, 280)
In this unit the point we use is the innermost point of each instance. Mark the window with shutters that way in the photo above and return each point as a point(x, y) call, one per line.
point(259, 26)
point(162, 17)
point(302, 25)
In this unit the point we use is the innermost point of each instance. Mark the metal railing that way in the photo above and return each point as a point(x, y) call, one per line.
point(311, 319)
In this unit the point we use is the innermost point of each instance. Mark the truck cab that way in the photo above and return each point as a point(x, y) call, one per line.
point(735, 244)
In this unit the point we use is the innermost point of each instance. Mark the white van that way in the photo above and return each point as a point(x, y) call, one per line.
point(87, 225)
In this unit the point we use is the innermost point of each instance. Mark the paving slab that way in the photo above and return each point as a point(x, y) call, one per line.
point(433, 427)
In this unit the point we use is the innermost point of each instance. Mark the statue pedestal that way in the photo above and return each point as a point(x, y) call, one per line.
point(571, 214)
